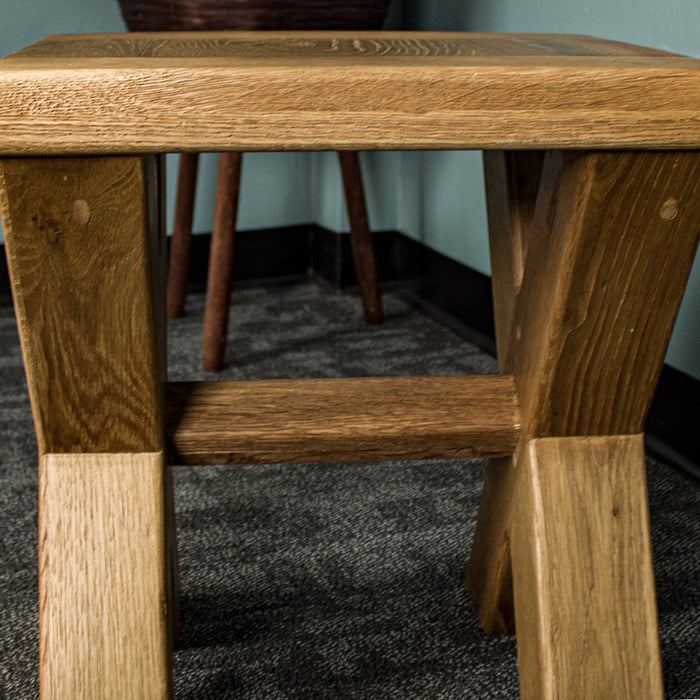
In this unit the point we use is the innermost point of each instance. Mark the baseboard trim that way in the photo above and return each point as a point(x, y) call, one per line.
point(450, 291)
point(265, 256)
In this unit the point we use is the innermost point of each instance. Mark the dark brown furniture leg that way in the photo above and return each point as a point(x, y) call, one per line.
point(222, 246)
point(361, 236)
point(182, 234)
point(221, 261)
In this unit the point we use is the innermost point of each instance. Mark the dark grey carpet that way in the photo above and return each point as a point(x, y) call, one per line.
point(326, 581)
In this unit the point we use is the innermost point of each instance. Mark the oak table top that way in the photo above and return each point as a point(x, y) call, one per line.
point(150, 93)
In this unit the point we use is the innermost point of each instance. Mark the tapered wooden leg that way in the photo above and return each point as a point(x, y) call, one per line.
point(172, 563)
point(85, 254)
point(489, 577)
point(610, 247)
point(612, 243)
point(512, 180)
point(583, 577)
point(221, 261)
point(156, 202)
point(512, 185)
point(182, 234)
point(103, 621)
point(361, 236)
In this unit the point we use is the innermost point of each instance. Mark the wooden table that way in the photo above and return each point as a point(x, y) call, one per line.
point(593, 182)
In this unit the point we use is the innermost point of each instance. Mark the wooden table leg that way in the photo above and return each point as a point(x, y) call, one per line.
point(611, 245)
point(582, 571)
point(512, 180)
point(85, 257)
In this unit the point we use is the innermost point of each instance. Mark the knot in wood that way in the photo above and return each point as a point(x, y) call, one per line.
point(81, 212)
point(669, 209)
point(49, 226)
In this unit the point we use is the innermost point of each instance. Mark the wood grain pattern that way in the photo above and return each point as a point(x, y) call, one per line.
point(512, 181)
point(489, 575)
point(587, 285)
point(102, 563)
point(345, 92)
point(612, 243)
point(340, 419)
point(584, 585)
point(512, 185)
point(298, 44)
point(83, 257)
point(155, 206)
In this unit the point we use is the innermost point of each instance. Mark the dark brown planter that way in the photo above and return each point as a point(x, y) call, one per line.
point(170, 15)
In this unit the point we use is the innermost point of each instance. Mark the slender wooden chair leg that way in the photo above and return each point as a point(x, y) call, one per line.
point(608, 256)
point(361, 236)
point(82, 255)
point(221, 261)
point(182, 234)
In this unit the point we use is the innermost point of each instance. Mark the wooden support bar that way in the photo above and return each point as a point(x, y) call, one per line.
point(219, 275)
point(612, 243)
point(512, 185)
point(361, 236)
point(327, 420)
point(179, 263)
point(84, 295)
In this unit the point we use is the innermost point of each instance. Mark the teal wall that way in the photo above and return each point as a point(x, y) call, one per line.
point(434, 197)
point(451, 215)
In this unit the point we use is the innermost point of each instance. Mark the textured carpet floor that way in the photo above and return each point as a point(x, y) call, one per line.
point(318, 580)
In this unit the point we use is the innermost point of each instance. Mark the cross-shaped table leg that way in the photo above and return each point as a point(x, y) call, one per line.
point(588, 275)
point(84, 249)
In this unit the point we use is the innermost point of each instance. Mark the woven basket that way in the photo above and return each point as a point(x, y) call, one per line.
point(189, 15)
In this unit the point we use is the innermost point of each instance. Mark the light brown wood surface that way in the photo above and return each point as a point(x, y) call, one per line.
point(489, 575)
point(612, 243)
point(512, 185)
point(583, 579)
point(291, 45)
point(609, 249)
point(103, 605)
point(79, 249)
point(340, 419)
point(347, 91)
point(86, 256)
